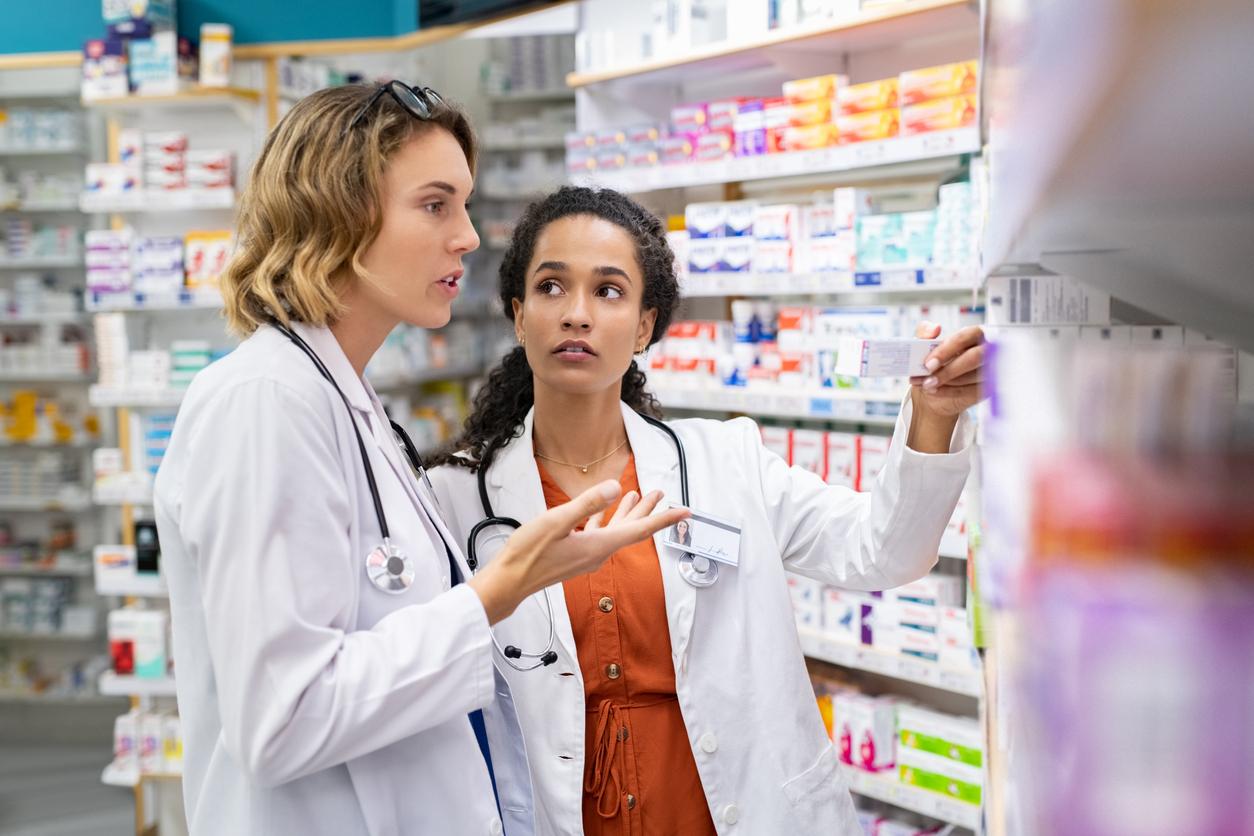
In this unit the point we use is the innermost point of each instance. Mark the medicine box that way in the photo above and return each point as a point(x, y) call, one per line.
point(864, 730)
point(957, 739)
point(940, 775)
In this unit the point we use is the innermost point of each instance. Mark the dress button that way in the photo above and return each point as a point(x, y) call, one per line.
point(731, 814)
point(613, 671)
point(631, 801)
point(606, 604)
point(708, 743)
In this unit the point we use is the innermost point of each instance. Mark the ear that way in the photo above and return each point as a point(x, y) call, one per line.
point(644, 332)
point(519, 331)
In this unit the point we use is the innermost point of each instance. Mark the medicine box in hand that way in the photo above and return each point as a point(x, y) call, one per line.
point(859, 357)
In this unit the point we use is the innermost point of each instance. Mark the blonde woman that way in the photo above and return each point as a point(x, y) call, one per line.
point(327, 658)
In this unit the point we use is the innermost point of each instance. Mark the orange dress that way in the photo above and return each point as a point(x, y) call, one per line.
point(640, 778)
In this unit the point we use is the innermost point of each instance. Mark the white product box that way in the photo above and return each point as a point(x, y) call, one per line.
point(865, 730)
point(872, 454)
point(705, 255)
point(740, 216)
point(705, 220)
point(165, 142)
point(848, 203)
point(830, 255)
point(877, 624)
point(809, 451)
point(958, 733)
point(921, 643)
point(110, 178)
point(770, 256)
point(777, 222)
point(842, 615)
point(858, 357)
point(954, 625)
point(150, 643)
point(212, 160)
point(918, 615)
point(935, 590)
point(842, 459)
point(131, 148)
point(151, 739)
point(737, 255)
point(153, 64)
point(778, 440)
point(1045, 300)
point(126, 742)
point(807, 601)
point(678, 241)
point(819, 221)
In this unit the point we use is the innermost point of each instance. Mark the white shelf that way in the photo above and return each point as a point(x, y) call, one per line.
point(30, 206)
point(7, 377)
point(79, 569)
point(71, 318)
point(18, 504)
point(886, 788)
point(133, 396)
point(13, 635)
point(190, 299)
point(114, 777)
point(243, 101)
point(816, 404)
point(456, 372)
point(112, 685)
point(795, 164)
point(41, 262)
point(153, 587)
point(123, 494)
point(923, 282)
point(47, 151)
point(149, 201)
point(818, 645)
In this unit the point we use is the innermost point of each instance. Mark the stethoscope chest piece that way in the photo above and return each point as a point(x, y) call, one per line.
point(697, 570)
point(390, 569)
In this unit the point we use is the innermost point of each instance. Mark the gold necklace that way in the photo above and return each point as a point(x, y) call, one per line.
point(582, 467)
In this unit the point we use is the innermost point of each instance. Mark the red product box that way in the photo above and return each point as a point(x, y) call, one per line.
point(776, 113)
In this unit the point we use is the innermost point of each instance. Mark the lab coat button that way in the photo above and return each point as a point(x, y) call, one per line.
point(606, 604)
point(708, 743)
point(495, 828)
point(613, 671)
point(731, 814)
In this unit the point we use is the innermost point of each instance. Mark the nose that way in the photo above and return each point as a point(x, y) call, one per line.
point(578, 315)
point(465, 239)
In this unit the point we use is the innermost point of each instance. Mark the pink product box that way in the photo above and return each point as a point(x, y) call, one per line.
point(864, 729)
point(580, 141)
point(165, 142)
point(611, 159)
point(678, 148)
point(611, 138)
point(643, 154)
point(580, 161)
point(722, 114)
point(643, 133)
point(715, 145)
point(690, 119)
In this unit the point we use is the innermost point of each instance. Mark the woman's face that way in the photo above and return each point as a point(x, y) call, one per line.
point(582, 316)
point(681, 528)
point(416, 261)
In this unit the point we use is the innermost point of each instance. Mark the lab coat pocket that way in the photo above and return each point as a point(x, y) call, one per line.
point(817, 785)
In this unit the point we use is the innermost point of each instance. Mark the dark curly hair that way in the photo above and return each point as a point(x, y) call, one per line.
point(503, 401)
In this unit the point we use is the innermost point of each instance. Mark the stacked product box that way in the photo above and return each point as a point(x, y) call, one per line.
point(160, 161)
point(120, 262)
point(938, 98)
point(108, 260)
point(147, 743)
point(940, 753)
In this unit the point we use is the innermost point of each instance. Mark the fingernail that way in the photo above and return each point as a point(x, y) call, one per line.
point(931, 383)
point(609, 491)
point(932, 364)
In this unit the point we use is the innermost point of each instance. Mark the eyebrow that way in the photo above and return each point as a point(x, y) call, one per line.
point(562, 267)
point(441, 185)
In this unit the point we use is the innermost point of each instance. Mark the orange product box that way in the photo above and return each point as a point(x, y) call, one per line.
point(941, 82)
point(873, 95)
point(795, 318)
point(816, 87)
point(810, 137)
point(864, 127)
point(810, 112)
point(938, 115)
point(775, 140)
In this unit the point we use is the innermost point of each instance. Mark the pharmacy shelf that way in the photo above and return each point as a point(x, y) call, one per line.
point(241, 100)
point(818, 645)
point(813, 405)
point(41, 262)
point(887, 788)
point(34, 377)
point(14, 635)
point(514, 195)
point(123, 494)
point(888, 26)
point(404, 381)
point(77, 569)
point(555, 95)
point(113, 685)
point(44, 151)
point(107, 397)
point(189, 299)
point(539, 143)
point(814, 163)
point(145, 587)
point(35, 505)
point(60, 700)
point(67, 318)
point(925, 282)
point(32, 206)
point(1079, 182)
point(152, 201)
point(114, 777)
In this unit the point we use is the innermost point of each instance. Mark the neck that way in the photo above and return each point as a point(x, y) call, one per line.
point(577, 428)
point(360, 332)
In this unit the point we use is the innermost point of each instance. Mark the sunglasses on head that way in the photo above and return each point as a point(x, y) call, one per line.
point(420, 102)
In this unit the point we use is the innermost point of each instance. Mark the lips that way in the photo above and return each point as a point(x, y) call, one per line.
point(574, 347)
point(452, 278)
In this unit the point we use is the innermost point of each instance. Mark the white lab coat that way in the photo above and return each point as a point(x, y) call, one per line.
point(312, 702)
point(764, 758)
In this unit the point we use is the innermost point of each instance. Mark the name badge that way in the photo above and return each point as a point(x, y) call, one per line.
point(706, 535)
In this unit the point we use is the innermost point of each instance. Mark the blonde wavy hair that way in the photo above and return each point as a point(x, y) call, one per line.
point(311, 207)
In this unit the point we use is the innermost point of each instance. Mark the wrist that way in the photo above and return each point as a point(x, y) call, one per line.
point(930, 431)
point(498, 592)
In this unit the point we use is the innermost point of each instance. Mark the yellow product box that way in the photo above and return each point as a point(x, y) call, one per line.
point(864, 127)
point(811, 112)
point(817, 87)
point(941, 82)
point(809, 137)
point(873, 95)
point(938, 115)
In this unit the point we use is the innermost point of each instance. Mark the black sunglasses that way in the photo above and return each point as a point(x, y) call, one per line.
point(420, 102)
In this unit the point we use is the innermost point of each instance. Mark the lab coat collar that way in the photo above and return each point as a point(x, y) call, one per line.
point(328, 349)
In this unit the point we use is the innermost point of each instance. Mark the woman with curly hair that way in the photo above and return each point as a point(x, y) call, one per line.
point(675, 705)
